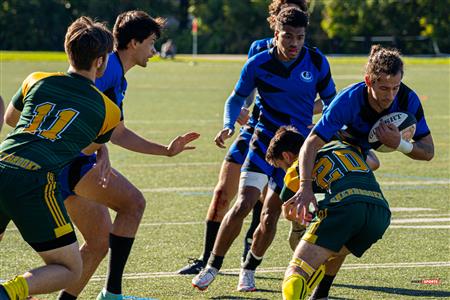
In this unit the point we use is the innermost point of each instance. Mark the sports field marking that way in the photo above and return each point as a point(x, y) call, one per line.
point(419, 226)
point(421, 220)
point(408, 209)
point(209, 188)
point(282, 269)
point(200, 121)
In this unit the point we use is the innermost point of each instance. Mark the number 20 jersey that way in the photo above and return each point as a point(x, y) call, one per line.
point(62, 113)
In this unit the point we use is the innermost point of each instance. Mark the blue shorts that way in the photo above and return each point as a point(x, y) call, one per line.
point(239, 149)
point(72, 173)
point(256, 160)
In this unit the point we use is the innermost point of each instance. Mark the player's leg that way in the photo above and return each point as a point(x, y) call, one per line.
point(256, 217)
point(263, 237)
point(332, 267)
point(33, 203)
point(94, 223)
point(252, 184)
point(305, 270)
point(224, 192)
point(129, 203)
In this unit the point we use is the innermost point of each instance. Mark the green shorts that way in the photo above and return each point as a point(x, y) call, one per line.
point(355, 225)
point(32, 201)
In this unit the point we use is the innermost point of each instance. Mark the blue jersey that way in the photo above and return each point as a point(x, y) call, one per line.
point(259, 46)
point(256, 47)
point(287, 93)
point(113, 83)
point(351, 108)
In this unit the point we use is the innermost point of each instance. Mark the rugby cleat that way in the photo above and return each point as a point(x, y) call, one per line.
point(204, 278)
point(246, 281)
point(193, 268)
point(105, 295)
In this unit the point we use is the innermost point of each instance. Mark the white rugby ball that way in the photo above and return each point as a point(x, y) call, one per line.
point(404, 121)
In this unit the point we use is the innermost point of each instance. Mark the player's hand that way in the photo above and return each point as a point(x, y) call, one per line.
point(179, 144)
point(221, 136)
point(388, 134)
point(297, 208)
point(244, 115)
point(104, 166)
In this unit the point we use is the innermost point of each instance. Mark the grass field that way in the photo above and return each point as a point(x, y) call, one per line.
point(169, 98)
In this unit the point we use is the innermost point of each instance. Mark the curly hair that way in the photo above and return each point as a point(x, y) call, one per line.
point(291, 16)
point(277, 5)
point(383, 61)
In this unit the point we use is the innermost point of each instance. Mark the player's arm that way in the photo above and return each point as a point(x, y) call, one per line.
point(2, 112)
point(304, 196)
point(126, 138)
point(231, 112)
point(423, 149)
point(12, 115)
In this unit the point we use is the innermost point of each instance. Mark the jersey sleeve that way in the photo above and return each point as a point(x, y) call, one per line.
point(339, 113)
point(291, 182)
point(17, 100)
point(326, 86)
point(415, 107)
point(253, 49)
point(111, 120)
point(246, 83)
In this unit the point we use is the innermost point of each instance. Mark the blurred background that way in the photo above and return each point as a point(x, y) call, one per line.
point(416, 27)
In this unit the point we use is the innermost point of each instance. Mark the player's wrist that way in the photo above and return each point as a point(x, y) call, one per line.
point(405, 147)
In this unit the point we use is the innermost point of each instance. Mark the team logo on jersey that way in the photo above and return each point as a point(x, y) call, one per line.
point(306, 76)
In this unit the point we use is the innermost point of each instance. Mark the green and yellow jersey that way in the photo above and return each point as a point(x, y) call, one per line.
point(61, 114)
point(341, 173)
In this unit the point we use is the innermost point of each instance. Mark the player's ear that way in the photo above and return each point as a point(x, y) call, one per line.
point(99, 61)
point(367, 80)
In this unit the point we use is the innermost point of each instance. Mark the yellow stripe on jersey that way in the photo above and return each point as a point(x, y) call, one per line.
point(112, 114)
point(291, 179)
point(35, 77)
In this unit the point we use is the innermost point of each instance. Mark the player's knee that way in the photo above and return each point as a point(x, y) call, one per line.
point(137, 203)
point(269, 220)
point(241, 209)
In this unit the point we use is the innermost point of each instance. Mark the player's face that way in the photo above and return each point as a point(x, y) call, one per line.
point(289, 41)
point(382, 92)
point(145, 50)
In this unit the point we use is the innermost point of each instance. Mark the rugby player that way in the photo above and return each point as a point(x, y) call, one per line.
point(358, 107)
point(288, 77)
point(228, 184)
point(62, 114)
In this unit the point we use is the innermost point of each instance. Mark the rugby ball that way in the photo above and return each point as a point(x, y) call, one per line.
point(404, 121)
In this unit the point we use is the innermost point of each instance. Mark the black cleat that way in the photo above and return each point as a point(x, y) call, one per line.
point(194, 267)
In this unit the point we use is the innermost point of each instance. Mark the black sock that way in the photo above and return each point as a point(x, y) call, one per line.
point(322, 290)
point(212, 228)
point(63, 295)
point(255, 219)
point(215, 261)
point(251, 262)
point(119, 250)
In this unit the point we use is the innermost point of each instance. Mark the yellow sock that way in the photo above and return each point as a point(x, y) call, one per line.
point(294, 287)
point(17, 288)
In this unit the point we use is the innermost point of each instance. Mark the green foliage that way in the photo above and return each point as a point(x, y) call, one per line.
point(229, 26)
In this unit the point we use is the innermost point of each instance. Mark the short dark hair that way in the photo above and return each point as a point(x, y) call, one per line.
point(277, 5)
point(85, 41)
point(135, 24)
point(383, 61)
point(291, 16)
point(286, 139)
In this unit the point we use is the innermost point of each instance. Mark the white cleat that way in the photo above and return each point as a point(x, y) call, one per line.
point(202, 280)
point(246, 281)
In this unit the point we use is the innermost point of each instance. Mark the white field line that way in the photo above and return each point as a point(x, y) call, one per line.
point(282, 269)
point(393, 221)
point(187, 121)
point(419, 227)
point(417, 220)
point(410, 209)
point(210, 188)
point(171, 165)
